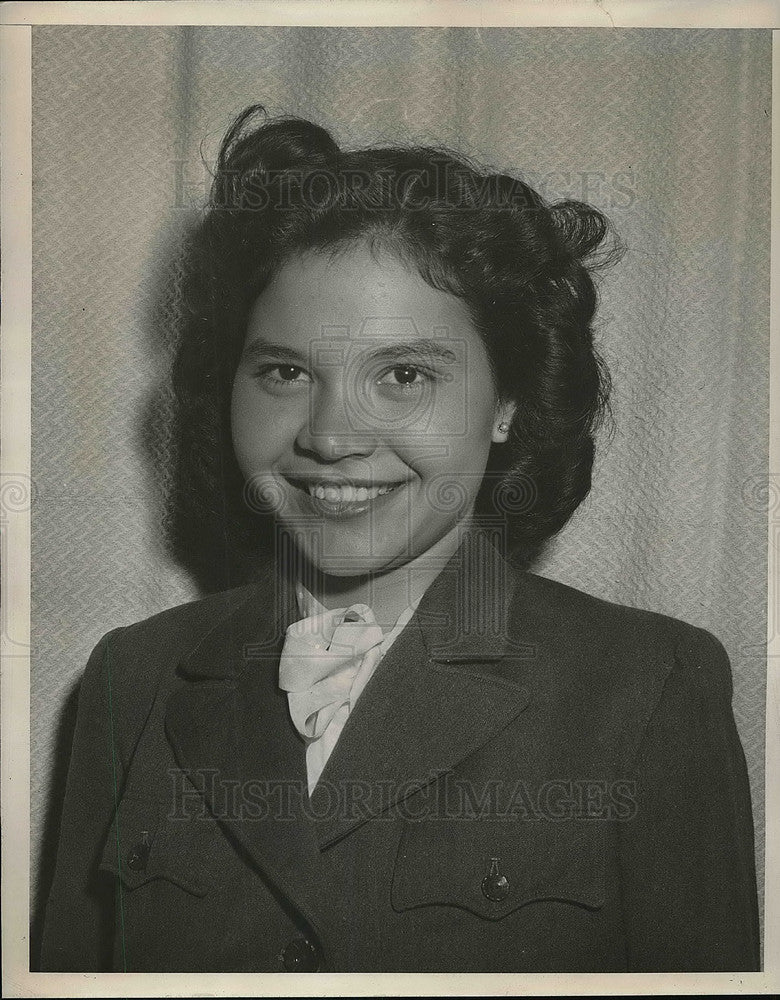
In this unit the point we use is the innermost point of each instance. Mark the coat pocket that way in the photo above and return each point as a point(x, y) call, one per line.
point(143, 844)
point(493, 868)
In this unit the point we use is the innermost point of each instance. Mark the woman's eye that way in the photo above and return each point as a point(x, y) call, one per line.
point(284, 374)
point(407, 376)
point(289, 373)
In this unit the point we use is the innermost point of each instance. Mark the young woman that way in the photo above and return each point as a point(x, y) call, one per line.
point(394, 749)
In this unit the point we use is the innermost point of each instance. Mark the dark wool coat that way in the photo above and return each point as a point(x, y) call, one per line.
point(533, 780)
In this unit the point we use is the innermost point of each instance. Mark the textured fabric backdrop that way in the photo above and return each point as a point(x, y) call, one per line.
point(666, 131)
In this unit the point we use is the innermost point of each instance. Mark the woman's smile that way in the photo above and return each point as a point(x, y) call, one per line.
point(339, 499)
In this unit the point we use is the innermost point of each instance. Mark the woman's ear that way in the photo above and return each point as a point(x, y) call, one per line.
point(503, 421)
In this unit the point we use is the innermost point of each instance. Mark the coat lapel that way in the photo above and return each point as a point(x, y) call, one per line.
point(230, 730)
point(448, 684)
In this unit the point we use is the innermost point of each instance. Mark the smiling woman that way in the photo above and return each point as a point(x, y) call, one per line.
point(394, 749)
point(350, 433)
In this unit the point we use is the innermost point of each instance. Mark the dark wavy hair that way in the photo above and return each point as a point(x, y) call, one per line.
point(522, 267)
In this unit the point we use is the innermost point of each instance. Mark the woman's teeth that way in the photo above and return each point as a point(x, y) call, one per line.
point(347, 494)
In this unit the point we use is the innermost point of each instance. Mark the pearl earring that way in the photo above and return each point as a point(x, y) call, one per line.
point(503, 427)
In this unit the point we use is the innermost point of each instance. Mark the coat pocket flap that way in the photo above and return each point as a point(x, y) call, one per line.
point(494, 867)
point(143, 845)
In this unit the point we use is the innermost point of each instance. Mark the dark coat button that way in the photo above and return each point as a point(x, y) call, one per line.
point(495, 886)
point(300, 955)
point(138, 856)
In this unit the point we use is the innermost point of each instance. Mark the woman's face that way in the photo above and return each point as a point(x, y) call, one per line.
point(363, 410)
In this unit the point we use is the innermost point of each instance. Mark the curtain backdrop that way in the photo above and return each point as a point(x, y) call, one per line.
point(667, 131)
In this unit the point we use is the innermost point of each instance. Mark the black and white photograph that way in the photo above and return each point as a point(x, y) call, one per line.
point(398, 500)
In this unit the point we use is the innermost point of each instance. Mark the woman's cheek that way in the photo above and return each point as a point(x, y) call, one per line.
point(263, 428)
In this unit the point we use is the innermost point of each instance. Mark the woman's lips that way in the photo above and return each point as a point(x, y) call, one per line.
point(347, 494)
point(342, 499)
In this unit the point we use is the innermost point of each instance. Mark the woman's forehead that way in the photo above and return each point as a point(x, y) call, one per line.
point(357, 295)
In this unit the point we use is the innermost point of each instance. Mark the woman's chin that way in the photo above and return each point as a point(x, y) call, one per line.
point(340, 549)
point(343, 565)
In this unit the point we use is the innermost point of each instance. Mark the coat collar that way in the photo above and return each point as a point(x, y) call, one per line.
point(464, 615)
point(447, 685)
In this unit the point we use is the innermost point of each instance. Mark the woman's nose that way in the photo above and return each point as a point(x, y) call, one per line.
point(334, 428)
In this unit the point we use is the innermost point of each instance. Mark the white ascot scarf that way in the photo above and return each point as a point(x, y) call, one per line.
point(327, 659)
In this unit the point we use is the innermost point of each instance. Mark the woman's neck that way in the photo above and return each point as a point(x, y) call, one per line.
point(389, 594)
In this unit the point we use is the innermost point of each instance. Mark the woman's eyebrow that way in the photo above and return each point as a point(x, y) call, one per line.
point(259, 348)
point(416, 350)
